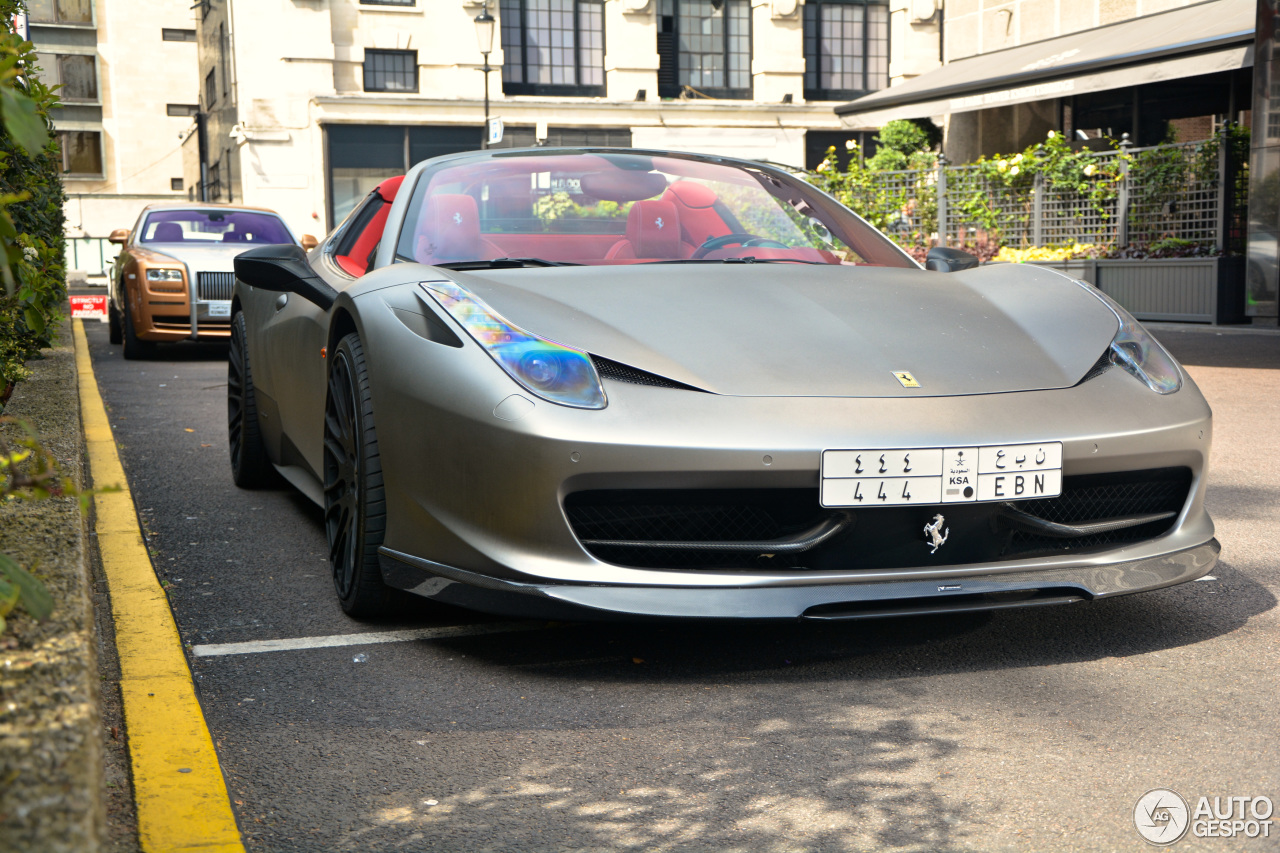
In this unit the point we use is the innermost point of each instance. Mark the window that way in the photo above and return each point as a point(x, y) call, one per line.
point(390, 70)
point(210, 89)
point(388, 2)
point(81, 153)
point(60, 11)
point(181, 109)
point(177, 35)
point(573, 137)
point(175, 184)
point(214, 187)
point(77, 74)
point(704, 45)
point(553, 47)
point(846, 49)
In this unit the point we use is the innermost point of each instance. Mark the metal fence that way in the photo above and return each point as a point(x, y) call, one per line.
point(1192, 191)
point(90, 255)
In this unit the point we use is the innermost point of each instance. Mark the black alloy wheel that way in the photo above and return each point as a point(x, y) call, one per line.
point(134, 347)
point(354, 498)
point(250, 465)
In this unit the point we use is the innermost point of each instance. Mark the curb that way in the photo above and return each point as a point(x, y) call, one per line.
point(181, 797)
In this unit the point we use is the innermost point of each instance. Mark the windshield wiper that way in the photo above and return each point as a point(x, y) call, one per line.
point(504, 264)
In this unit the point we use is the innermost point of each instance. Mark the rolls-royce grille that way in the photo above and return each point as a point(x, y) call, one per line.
point(789, 529)
point(214, 286)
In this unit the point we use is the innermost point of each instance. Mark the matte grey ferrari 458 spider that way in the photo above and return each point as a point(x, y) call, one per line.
point(611, 382)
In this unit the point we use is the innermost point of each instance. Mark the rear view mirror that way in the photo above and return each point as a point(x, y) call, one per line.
point(941, 259)
point(309, 242)
point(120, 236)
point(283, 268)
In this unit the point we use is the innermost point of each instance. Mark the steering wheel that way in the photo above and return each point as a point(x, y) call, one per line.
point(743, 239)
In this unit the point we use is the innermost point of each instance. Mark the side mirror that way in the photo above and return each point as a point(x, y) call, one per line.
point(309, 242)
point(120, 236)
point(284, 269)
point(949, 260)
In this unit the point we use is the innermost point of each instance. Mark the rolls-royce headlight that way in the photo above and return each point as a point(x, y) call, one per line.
point(1136, 351)
point(164, 275)
point(550, 370)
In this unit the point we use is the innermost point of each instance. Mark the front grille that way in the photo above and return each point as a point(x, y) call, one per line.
point(626, 373)
point(669, 521)
point(1102, 496)
point(691, 515)
point(215, 286)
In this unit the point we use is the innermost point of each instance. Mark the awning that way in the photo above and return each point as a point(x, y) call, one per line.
point(1186, 42)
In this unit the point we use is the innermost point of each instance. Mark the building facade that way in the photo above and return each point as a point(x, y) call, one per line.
point(128, 74)
point(310, 104)
point(1016, 69)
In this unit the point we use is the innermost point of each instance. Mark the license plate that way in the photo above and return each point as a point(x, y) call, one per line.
point(220, 309)
point(940, 475)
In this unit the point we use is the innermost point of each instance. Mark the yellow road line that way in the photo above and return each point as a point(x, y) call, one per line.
point(178, 786)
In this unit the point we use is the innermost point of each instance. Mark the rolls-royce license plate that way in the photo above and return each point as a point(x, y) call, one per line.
point(939, 475)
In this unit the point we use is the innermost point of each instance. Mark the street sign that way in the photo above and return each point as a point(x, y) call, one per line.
point(495, 130)
point(89, 307)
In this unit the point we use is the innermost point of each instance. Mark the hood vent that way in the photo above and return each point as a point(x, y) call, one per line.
point(1101, 366)
point(626, 373)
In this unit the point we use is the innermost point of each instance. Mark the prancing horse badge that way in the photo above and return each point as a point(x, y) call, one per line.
point(907, 380)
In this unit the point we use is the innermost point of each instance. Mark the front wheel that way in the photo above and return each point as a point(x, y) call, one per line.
point(355, 515)
point(134, 347)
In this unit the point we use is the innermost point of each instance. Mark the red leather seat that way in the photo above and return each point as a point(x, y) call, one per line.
point(449, 230)
point(696, 205)
point(653, 233)
point(360, 252)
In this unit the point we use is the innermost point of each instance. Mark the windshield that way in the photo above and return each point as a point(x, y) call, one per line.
point(623, 208)
point(214, 226)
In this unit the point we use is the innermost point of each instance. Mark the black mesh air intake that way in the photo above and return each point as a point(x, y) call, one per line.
point(626, 373)
point(1101, 366)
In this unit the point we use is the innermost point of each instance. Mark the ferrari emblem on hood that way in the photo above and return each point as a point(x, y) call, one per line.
point(906, 379)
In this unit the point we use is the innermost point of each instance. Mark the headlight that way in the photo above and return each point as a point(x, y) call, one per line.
point(164, 275)
point(552, 371)
point(1140, 354)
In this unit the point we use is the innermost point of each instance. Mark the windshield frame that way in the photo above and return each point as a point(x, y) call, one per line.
point(868, 242)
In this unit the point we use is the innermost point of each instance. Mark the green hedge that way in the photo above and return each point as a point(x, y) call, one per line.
point(32, 269)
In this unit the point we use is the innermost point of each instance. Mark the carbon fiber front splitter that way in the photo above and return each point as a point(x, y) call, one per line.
point(852, 600)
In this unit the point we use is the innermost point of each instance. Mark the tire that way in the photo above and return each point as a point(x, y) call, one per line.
point(355, 517)
point(134, 347)
point(114, 333)
point(250, 466)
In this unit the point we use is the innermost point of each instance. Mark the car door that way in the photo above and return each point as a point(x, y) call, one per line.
point(295, 337)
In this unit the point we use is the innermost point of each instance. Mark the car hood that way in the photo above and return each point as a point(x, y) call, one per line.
point(199, 257)
point(806, 330)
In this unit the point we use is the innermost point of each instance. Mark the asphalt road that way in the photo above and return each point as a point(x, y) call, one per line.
point(1033, 730)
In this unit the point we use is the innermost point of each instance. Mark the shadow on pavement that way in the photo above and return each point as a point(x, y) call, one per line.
point(875, 648)
point(1203, 348)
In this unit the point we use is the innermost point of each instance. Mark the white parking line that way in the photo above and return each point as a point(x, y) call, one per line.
point(368, 639)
